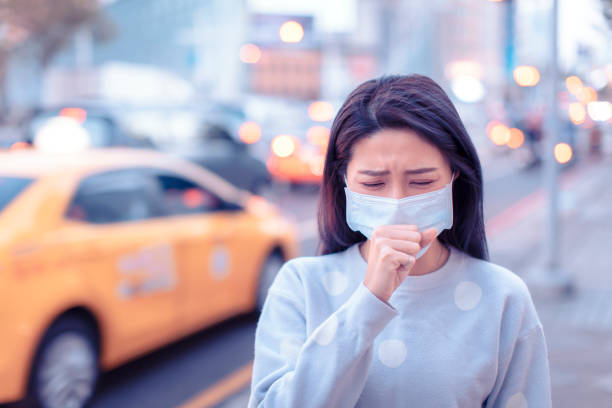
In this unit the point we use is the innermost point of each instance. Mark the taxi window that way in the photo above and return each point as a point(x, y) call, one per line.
point(10, 187)
point(114, 197)
point(182, 196)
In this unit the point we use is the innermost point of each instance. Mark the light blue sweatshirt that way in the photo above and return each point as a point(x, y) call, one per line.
point(465, 335)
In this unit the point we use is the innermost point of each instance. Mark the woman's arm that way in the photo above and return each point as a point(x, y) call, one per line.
point(327, 369)
point(523, 378)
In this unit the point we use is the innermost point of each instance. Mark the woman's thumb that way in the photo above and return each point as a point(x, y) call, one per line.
point(427, 236)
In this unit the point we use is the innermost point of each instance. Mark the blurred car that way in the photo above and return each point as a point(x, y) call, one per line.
point(102, 124)
point(219, 152)
point(110, 253)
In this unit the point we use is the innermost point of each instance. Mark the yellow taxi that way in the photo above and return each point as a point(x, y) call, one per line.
point(108, 254)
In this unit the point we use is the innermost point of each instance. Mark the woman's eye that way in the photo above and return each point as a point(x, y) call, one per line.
point(371, 185)
point(421, 183)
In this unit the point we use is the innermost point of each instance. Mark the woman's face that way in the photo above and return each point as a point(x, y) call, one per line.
point(396, 163)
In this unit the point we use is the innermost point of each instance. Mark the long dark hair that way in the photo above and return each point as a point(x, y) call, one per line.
point(417, 103)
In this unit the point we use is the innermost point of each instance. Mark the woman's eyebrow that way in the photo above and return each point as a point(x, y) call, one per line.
point(374, 172)
point(420, 171)
point(385, 172)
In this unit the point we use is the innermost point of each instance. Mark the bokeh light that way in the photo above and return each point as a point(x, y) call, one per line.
point(573, 84)
point(321, 111)
point(291, 32)
point(563, 152)
point(283, 145)
point(490, 126)
point(62, 134)
point(318, 135)
point(20, 146)
point(500, 134)
point(526, 75)
point(587, 95)
point(468, 89)
point(249, 132)
point(460, 68)
point(600, 111)
point(250, 54)
point(78, 114)
point(193, 198)
point(517, 138)
point(577, 113)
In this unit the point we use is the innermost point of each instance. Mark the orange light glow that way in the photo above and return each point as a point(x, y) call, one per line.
point(193, 198)
point(563, 152)
point(500, 134)
point(491, 124)
point(526, 75)
point(283, 145)
point(587, 95)
point(321, 111)
point(78, 114)
point(573, 84)
point(577, 113)
point(250, 54)
point(291, 32)
point(318, 136)
point(20, 146)
point(517, 138)
point(249, 132)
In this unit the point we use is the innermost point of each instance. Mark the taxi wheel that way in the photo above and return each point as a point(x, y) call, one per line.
point(268, 272)
point(65, 369)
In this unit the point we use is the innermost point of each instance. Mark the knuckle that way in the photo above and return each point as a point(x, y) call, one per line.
point(377, 231)
point(385, 251)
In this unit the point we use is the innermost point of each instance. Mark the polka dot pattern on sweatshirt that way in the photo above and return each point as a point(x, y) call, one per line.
point(325, 333)
point(518, 400)
point(467, 295)
point(392, 352)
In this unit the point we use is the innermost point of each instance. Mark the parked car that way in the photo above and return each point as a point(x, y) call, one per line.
point(110, 253)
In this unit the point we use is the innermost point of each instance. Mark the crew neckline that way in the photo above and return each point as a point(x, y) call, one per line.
point(417, 283)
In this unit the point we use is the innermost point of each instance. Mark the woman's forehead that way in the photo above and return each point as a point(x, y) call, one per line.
point(395, 147)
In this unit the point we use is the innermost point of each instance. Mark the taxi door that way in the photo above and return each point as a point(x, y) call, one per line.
point(127, 250)
point(210, 261)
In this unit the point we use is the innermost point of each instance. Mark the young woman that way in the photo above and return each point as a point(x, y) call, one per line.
point(403, 308)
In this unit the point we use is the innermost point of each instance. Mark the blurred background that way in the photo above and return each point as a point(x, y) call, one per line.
point(191, 134)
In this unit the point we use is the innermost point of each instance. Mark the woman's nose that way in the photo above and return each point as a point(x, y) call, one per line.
point(397, 190)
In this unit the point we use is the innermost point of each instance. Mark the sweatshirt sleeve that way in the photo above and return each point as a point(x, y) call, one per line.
point(329, 367)
point(523, 379)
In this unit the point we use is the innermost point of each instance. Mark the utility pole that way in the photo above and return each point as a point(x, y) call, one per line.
point(553, 278)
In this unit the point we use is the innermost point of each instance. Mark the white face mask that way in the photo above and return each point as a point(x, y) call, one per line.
point(429, 210)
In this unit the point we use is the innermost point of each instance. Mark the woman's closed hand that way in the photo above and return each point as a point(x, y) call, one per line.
point(392, 255)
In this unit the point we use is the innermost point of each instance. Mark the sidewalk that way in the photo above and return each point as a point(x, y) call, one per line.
point(578, 327)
